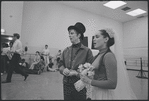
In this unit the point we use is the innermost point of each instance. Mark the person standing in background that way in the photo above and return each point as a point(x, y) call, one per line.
point(16, 50)
point(45, 54)
point(4, 58)
point(71, 58)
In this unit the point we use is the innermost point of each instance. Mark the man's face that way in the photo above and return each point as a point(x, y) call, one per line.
point(74, 37)
point(46, 47)
point(14, 38)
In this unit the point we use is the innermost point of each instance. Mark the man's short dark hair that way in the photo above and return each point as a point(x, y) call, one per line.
point(16, 35)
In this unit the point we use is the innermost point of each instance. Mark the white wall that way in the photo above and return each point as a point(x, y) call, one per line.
point(47, 23)
point(11, 16)
point(136, 37)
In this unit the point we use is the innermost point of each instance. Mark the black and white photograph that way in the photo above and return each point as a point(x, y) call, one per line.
point(74, 50)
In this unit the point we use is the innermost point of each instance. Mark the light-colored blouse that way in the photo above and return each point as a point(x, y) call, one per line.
point(46, 52)
point(37, 58)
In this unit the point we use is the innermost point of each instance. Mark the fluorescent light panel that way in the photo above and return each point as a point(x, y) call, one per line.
point(136, 12)
point(114, 4)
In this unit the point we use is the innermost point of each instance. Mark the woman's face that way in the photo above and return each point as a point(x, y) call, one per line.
point(99, 41)
point(46, 47)
point(74, 37)
point(37, 53)
point(14, 38)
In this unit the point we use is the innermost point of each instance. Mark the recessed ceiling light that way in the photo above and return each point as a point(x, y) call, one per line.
point(136, 12)
point(114, 4)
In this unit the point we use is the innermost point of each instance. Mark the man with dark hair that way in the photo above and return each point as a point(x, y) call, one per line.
point(24, 64)
point(71, 58)
point(16, 50)
point(36, 70)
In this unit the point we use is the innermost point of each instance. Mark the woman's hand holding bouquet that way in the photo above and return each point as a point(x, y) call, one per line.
point(86, 74)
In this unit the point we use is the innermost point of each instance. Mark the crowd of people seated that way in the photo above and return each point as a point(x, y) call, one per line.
point(39, 63)
point(50, 65)
point(25, 66)
point(37, 66)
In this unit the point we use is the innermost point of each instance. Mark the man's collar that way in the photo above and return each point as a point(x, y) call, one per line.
point(76, 45)
point(81, 45)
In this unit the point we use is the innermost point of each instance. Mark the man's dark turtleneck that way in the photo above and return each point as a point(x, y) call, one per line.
point(75, 48)
point(76, 45)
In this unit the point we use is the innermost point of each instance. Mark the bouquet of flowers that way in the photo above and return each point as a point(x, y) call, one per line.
point(87, 70)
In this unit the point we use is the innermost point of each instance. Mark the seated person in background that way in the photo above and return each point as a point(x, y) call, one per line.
point(36, 60)
point(49, 67)
point(58, 56)
point(24, 65)
point(40, 65)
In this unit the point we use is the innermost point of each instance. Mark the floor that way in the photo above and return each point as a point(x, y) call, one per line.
point(48, 86)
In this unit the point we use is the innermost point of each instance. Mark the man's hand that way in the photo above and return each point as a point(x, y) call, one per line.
point(73, 72)
point(66, 71)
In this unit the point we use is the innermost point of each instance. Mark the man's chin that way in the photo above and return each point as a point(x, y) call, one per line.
point(95, 47)
point(71, 41)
